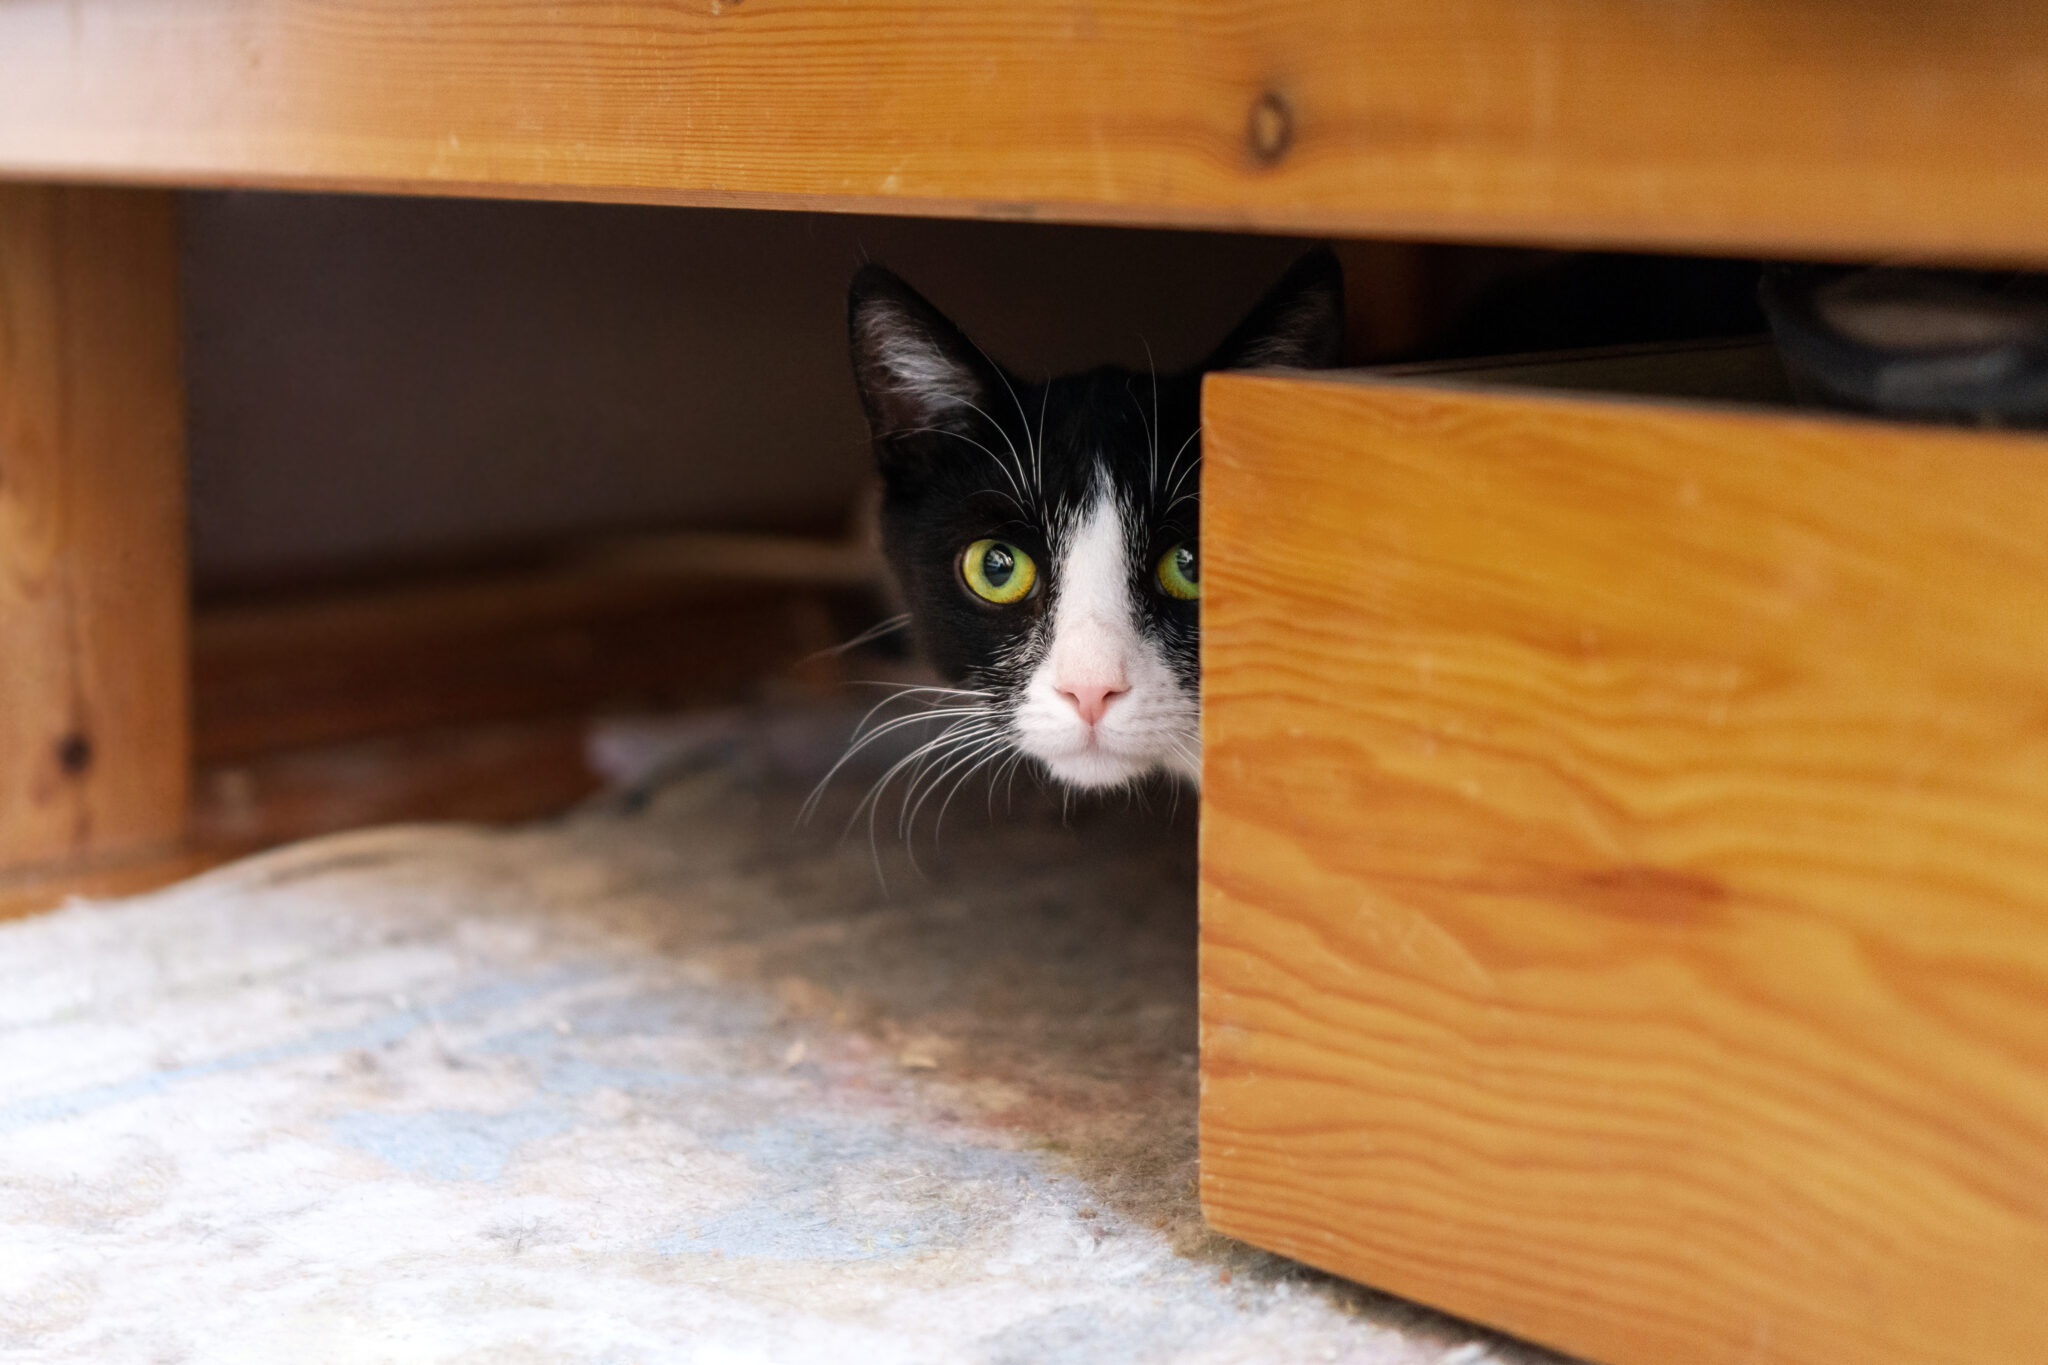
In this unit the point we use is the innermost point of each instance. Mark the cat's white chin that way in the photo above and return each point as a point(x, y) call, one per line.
point(1096, 768)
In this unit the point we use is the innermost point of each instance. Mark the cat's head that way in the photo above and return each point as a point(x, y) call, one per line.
point(1046, 536)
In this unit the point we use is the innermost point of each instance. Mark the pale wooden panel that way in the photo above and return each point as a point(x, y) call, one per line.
point(1749, 124)
point(93, 663)
point(1625, 867)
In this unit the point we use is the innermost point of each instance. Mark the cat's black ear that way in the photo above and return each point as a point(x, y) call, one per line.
point(1299, 325)
point(916, 371)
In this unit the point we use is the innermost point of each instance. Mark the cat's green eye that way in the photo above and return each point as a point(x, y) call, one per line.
point(1180, 572)
point(997, 571)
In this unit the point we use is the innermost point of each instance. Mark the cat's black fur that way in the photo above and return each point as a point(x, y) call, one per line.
point(968, 450)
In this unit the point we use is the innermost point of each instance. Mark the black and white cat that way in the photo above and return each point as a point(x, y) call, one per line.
point(1046, 537)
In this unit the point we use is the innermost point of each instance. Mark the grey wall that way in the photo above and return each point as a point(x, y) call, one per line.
point(382, 378)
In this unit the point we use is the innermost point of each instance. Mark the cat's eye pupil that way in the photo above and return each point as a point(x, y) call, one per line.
point(997, 564)
point(1179, 573)
point(997, 571)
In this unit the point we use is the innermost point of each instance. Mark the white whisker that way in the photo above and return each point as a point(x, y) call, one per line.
point(1007, 768)
point(1017, 458)
point(865, 734)
point(1037, 483)
point(1173, 482)
point(869, 801)
point(987, 742)
point(874, 632)
point(1152, 427)
point(1038, 446)
point(1003, 468)
point(960, 732)
point(990, 754)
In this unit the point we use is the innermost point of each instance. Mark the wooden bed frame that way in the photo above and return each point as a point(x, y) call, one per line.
point(1396, 1087)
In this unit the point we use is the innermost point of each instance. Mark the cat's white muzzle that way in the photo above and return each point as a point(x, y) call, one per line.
point(1096, 651)
point(1151, 727)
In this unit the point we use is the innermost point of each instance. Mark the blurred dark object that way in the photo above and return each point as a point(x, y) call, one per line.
point(1523, 302)
point(1937, 345)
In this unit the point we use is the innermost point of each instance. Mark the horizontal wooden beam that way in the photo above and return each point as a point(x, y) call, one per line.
point(1748, 125)
point(626, 622)
point(454, 695)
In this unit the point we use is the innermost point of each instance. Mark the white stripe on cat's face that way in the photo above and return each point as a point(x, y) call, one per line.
point(1103, 707)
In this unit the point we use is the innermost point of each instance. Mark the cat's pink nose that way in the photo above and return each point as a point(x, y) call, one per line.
point(1091, 699)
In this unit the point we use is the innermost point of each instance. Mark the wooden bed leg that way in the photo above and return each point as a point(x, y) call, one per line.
point(94, 606)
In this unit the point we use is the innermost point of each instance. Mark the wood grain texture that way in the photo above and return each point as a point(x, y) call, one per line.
point(1751, 125)
point(488, 773)
point(472, 773)
point(644, 623)
point(469, 695)
point(93, 661)
point(1625, 867)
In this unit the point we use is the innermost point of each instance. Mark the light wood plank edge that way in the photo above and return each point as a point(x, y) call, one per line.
point(1748, 126)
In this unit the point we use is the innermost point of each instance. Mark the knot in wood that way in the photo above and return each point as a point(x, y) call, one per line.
point(1269, 129)
point(74, 753)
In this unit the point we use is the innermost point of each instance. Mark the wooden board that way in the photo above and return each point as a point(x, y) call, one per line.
point(485, 773)
point(1625, 867)
point(643, 623)
point(93, 663)
point(471, 694)
point(490, 773)
point(1748, 125)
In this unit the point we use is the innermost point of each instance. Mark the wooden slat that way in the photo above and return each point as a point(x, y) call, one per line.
point(1625, 867)
point(93, 663)
point(487, 772)
point(493, 773)
point(469, 694)
point(1753, 125)
point(630, 623)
